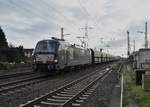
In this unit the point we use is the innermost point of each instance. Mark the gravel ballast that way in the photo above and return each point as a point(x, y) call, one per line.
point(102, 95)
point(20, 96)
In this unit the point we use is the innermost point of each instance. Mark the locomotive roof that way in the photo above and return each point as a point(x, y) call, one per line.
point(144, 49)
point(55, 40)
point(48, 40)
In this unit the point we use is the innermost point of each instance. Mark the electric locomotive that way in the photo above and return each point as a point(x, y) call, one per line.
point(56, 54)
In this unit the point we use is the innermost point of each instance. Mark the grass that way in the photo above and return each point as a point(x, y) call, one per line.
point(133, 92)
point(143, 97)
point(6, 66)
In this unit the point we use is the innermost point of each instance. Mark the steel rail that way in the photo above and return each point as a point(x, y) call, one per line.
point(19, 81)
point(44, 97)
point(69, 102)
point(4, 88)
point(15, 74)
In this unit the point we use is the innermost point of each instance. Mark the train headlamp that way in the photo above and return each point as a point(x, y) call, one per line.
point(34, 60)
point(55, 60)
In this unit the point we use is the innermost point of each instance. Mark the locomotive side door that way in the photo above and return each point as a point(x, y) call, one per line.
point(61, 56)
point(66, 57)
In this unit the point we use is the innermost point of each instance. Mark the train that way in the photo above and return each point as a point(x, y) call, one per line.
point(57, 54)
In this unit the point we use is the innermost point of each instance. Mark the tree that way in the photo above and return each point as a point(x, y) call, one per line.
point(21, 53)
point(3, 41)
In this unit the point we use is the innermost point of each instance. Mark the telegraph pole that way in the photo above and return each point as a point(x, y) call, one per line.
point(133, 45)
point(81, 38)
point(128, 40)
point(62, 33)
point(146, 39)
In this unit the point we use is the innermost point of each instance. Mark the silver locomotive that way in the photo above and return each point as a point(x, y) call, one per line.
point(55, 55)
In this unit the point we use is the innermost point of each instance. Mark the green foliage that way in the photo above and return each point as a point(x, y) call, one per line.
point(3, 41)
point(21, 53)
point(115, 67)
point(12, 54)
point(141, 96)
point(28, 60)
point(6, 66)
point(136, 92)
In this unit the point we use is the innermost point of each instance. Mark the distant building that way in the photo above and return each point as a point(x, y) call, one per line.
point(28, 52)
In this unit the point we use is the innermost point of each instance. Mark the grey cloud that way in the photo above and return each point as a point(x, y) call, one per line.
point(30, 20)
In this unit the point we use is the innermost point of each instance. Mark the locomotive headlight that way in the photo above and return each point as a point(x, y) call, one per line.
point(55, 60)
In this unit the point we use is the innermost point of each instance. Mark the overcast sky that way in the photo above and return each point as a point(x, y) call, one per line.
point(25, 22)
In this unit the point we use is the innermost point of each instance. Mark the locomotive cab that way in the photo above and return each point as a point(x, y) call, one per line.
point(46, 55)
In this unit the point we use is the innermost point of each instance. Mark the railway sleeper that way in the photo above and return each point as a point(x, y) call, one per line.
point(47, 104)
point(60, 97)
point(55, 100)
point(65, 95)
point(59, 100)
point(66, 90)
point(88, 93)
point(82, 98)
point(79, 101)
point(85, 95)
point(63, 92)
point(76, 105)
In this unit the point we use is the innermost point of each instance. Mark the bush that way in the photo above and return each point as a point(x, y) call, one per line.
point(6, 65)
point(138, 94)
point(12, 54)
point(29, 60)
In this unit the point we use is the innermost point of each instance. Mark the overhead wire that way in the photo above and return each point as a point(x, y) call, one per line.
point(16, 6)
point(63, 16)
point(35, 13)
point(28, 12)
point(90, 16)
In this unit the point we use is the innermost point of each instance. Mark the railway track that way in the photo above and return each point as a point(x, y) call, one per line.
point(71, 94)
point(17, 72)
point(6, 76)
point(30, 78)
point(18, 84)
point(18, 76)
point(15, 75)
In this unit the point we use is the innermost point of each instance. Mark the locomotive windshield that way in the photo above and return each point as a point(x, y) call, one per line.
point(46, 47)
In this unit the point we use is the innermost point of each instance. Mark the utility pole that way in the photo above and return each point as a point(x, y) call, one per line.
point(86, 28)
point(133, 45)
point(62, 33)
point(128, 40)
point(146, 39)
point(81, 38)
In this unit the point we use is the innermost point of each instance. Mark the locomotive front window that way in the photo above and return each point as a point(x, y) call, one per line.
point(46, 46)
point(51, 46)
